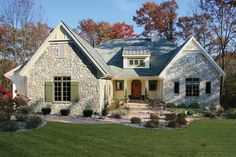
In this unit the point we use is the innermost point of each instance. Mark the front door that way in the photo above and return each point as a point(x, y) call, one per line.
point(136, 89)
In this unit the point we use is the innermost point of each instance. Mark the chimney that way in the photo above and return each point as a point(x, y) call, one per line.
point(154, 36)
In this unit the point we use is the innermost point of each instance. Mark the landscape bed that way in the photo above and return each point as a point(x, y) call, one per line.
point(201, 138)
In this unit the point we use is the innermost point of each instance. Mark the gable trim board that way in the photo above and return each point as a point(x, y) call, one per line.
point(105, 70)
point(203, 51)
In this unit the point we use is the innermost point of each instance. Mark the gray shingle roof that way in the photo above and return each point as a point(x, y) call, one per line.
point(162, 51)
point(136, 50)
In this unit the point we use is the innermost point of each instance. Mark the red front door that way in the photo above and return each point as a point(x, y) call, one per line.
point(136, 89)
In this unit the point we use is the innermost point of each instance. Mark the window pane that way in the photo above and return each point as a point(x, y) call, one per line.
point(142, 63)
point(152, 85)
point(131, 62)
point(119, 85)
point(208, 87)
point(176, 88)
point(192, 86)
point(136, 62)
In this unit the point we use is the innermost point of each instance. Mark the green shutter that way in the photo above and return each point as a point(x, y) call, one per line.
point(48, 91)
point(74, 92)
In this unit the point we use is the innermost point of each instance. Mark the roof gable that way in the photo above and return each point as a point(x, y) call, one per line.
point(63, 33)
point(193, 45)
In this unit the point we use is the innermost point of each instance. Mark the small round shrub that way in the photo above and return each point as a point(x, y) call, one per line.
point(220, 110)
point(190, 112)
point(154, 116)
point(46, 110)
point(170, 116)
point(21, 118)
point(88, 113)
point(116, 115)
point(194, 106)
point(180, 119)
point(11, 126)
point(33, 122)
point(152, 124)
point(65, 112)
point(231, 114)
point(209, 114)
point(173, 124)
point(135, 120)
point(105, 111)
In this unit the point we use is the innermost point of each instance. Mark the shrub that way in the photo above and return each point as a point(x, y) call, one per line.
point(46, 110)
point(181, 106)
point(194, 106)
point(173, 124)
point(25, 110)
point(170, 105)
point(152, 124)
point(231, 114)
point(220, 110)
point(11, 126)
point(189, 112)
point(33, 122)
point(209, 114)
point(170, 116)
point(65, 112)
point(21, 118)
point(114, 105)
point(135, 120)
point(180, 119)
point(116, 115)
point(154, 116)
point(105, 110)
point(88, 113)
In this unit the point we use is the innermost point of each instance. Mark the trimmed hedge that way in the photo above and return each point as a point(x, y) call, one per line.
point(46, 110)
point(135, 120)
point(88, 113)
point(33, 122)
point(65, 112)
point(152, 124)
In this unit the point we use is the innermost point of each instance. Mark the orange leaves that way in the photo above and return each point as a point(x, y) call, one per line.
point(96, 32)
point(157, 17)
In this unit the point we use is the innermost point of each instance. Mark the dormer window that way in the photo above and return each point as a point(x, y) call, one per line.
point(136, 57)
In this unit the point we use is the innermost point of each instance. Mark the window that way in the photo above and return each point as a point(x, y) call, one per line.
point(192, 86)
point(136, 62)
point(131, 62)
point(152, 85)
point(119, 85)
point(61, 50)
point(208, 87)
point(62, 88)
point(176, 88)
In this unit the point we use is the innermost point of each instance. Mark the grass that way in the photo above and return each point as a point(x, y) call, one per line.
point(202, 138)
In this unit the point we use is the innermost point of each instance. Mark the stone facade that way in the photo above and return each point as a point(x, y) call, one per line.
point(73, 64)
point(184, 68)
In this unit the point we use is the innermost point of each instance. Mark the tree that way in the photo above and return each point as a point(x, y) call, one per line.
point(96, 32)
point(160, 18)
point(122, 30)
point(223, 27)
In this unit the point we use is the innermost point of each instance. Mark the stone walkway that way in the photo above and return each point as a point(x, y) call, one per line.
point(85, 120)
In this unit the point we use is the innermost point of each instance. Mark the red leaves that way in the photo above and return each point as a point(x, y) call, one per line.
point(97, 32)
point(157, 17)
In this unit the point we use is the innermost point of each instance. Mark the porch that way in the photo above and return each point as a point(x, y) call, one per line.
point(136, 88)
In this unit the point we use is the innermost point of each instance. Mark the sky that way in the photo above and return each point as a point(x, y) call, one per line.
point(71, 11)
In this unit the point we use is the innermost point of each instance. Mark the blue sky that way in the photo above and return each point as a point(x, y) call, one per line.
point(71, 11)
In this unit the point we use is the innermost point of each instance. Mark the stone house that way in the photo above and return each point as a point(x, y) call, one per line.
point(67, 72)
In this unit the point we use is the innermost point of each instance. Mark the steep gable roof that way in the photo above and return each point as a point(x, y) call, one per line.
point(179, 50)
point(88, 50)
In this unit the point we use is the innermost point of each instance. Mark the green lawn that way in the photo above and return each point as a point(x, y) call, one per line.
point(203, 138)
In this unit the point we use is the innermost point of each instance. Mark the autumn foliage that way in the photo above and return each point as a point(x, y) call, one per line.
point(96, 32)
point(160, 18)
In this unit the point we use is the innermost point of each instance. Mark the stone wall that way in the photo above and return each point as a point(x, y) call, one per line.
point(183, 69)
point(74, 64)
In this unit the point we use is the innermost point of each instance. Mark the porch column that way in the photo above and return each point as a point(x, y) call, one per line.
point(160, 82)
point(146, 85)
point(125, 85)
point(13, 90)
